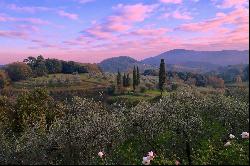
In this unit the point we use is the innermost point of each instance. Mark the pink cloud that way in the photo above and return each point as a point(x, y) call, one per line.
point(149, 32)
point(121, 21)
point(27, 27)
point(85, 1)
point(132, 13)
point(28, 9)
point(179, 15)
point(218, 37)
point(232, 3)
point(68, 15)
point(171, 1)
point(98, 32)
point(33, 21)
point(13, 34)
point(235, 17)
point(184, 16)
point(6, 18)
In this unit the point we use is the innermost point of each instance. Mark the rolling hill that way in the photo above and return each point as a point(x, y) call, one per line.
point(122, 63)
point(180, 60)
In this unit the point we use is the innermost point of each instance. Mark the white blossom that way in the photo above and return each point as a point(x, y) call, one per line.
point(145, 161)
point(150, 155)
point(100, 154)
point(245, 135)
point(227, 144)
point(231, 136)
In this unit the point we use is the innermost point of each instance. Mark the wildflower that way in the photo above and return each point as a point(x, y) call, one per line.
point(231, 136)
point(150, 155)
point(245, 135)
point(100, 154)
point(227, 144)
point(145, 161)
point(177, 162)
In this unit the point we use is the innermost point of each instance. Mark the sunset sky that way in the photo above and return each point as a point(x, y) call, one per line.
point(92, 30)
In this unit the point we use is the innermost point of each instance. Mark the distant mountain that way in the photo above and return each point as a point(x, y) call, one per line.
point(180, 60)
point(123, 63)
point(182, 57)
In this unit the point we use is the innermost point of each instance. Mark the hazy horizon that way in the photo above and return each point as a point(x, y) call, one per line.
point(90, 30)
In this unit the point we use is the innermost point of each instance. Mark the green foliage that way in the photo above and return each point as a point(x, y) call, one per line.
point(71, 67)
point(239, 93)
point(4, 80)
point(111, 90)
point(35, 108)
point(37, 65)
point(18, 71)
point(184, 125)
point(150, 72)
point(53, 66)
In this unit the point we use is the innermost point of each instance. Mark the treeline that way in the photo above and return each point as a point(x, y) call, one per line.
point(234, 73)
point(41, 66)
point(125, 81)
point(229, 74)
point(37, 67)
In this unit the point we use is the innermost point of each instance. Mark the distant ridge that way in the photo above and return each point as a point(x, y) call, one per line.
point(180, 60)
point(180, 56)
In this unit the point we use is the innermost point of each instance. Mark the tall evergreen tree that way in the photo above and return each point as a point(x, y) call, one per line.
point(162, 76)
point(134, 78)
point(128, 80)
point(119, 79)
point(138, 76)
point(124, 80)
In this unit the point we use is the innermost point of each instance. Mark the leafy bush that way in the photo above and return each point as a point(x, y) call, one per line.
point(185, 126)
point(18, 71)
point(4, 80)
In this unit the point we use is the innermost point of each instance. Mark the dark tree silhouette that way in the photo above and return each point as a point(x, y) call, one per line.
point(119, 79)
point(162, 76)
point(128, 80)
point(134, 78)
point(124, 80)
point(138, 76)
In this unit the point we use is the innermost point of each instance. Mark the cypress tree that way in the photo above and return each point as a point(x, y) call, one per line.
point(128, 80)
point(138, 76)
point(124, 80)
point(119, 77)
point(162, 76)
point(134, 78)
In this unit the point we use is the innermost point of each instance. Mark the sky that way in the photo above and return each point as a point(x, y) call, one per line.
point(92, 30)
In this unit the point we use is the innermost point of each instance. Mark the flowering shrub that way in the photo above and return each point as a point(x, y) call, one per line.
point(184, 127)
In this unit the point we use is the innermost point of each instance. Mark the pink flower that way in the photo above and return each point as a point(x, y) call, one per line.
point(150, 155)
point(100, 154)
point(245, 135)
point(177, 162)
